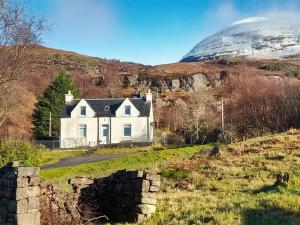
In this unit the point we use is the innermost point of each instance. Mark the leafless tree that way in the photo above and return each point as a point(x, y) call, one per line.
point(18, 31)
point(199, 117)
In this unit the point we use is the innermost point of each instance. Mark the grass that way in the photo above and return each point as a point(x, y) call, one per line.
point(124, 150)
point(150, 159)
point(236, 188)
point(51, 157)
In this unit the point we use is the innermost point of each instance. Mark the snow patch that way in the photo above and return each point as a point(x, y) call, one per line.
point(250, 20)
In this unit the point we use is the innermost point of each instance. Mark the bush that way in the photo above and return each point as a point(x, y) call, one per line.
point(175, 174)
point(293, 73)
point(273, 67)
point(25, 153)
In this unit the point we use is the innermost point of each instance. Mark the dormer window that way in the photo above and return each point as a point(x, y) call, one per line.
point(106, 108)
point(127, 110)
point(83, 111)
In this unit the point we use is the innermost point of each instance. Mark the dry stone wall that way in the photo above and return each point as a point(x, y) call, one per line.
point(19, 195)
point(128, 196)
point(122, 196)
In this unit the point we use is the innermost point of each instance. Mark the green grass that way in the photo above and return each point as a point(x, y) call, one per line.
point(51, 157)
point(237, 188)
point(113, 151)
point(150, 159)
point(234, 189)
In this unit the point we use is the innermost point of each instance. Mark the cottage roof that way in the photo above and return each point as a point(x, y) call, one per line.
point(108, 107)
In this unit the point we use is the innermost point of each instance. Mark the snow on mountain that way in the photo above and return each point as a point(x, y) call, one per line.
point(256, 37)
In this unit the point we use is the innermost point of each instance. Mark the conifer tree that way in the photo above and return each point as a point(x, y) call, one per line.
point(52, 101)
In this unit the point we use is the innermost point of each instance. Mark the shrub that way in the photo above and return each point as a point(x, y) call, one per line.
point(295, 72)
point(273, 67)
point(25, 153)
point(175, 174)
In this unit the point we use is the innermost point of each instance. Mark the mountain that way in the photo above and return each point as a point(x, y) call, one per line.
point(256, 37)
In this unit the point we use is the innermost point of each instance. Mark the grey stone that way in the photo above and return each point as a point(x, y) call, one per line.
point(22, 182)
point(155, 183)
point(32, 218)
point(141, 218)
point(146, 209)
point(143, 185)
point(34, 181)
point(154, 189)
point(145, 200)
point(33, 204)
point(27, 192)
point(152, 176)
point(81, 180)
point(28, 171)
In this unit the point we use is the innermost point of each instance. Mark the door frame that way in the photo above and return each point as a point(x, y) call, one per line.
point(108, 132)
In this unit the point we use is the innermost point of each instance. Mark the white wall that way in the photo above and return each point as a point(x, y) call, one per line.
point(76, 111)
point(138, 129)
point(69, 129)
point(121, 110)
point(70, 132)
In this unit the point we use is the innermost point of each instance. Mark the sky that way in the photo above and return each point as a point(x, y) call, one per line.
point(150, 32)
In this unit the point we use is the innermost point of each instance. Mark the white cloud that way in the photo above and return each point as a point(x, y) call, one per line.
point(89, 17)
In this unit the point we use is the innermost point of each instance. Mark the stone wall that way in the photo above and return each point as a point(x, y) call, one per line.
point(128, 196)
point(19, 195)
point(123, 196)
point(58, 206)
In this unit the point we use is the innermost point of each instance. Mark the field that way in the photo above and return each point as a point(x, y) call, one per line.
point(138, 158)
point(236, 188)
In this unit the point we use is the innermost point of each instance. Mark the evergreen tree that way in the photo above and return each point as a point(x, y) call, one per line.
point(53, 101)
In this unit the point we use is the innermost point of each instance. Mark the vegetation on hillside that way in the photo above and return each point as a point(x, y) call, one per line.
point(18, 31)
point(25, 153)
point(149, 159)
point(235, 188)
point(52, 101)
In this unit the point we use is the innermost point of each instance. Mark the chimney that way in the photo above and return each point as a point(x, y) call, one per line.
point(149, 96)
point(68, 97)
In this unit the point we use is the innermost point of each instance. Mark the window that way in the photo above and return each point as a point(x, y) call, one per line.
point(127, 110)
point(82, 130)
point(83, 111)
point(127, 130)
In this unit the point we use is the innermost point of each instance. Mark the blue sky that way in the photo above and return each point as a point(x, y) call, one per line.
point(144, 31)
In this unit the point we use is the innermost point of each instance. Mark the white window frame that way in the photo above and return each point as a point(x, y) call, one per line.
point(126, 107)
point(127, 137)
point(82, 107)
point(79, 130)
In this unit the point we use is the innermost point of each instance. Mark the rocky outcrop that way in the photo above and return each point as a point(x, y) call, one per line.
point(196, 82)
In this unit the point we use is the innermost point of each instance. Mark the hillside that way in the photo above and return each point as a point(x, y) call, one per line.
point(235, 188)
point(97, 77)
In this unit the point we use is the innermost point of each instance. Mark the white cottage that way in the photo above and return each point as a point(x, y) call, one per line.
point(92, 122)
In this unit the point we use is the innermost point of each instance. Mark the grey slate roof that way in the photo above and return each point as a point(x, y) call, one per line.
point(98, 105)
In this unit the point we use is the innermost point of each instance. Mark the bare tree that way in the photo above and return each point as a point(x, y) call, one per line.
point(199, 117)
point(18, 31)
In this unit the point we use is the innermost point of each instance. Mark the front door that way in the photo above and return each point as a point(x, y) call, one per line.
point(105, 134)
